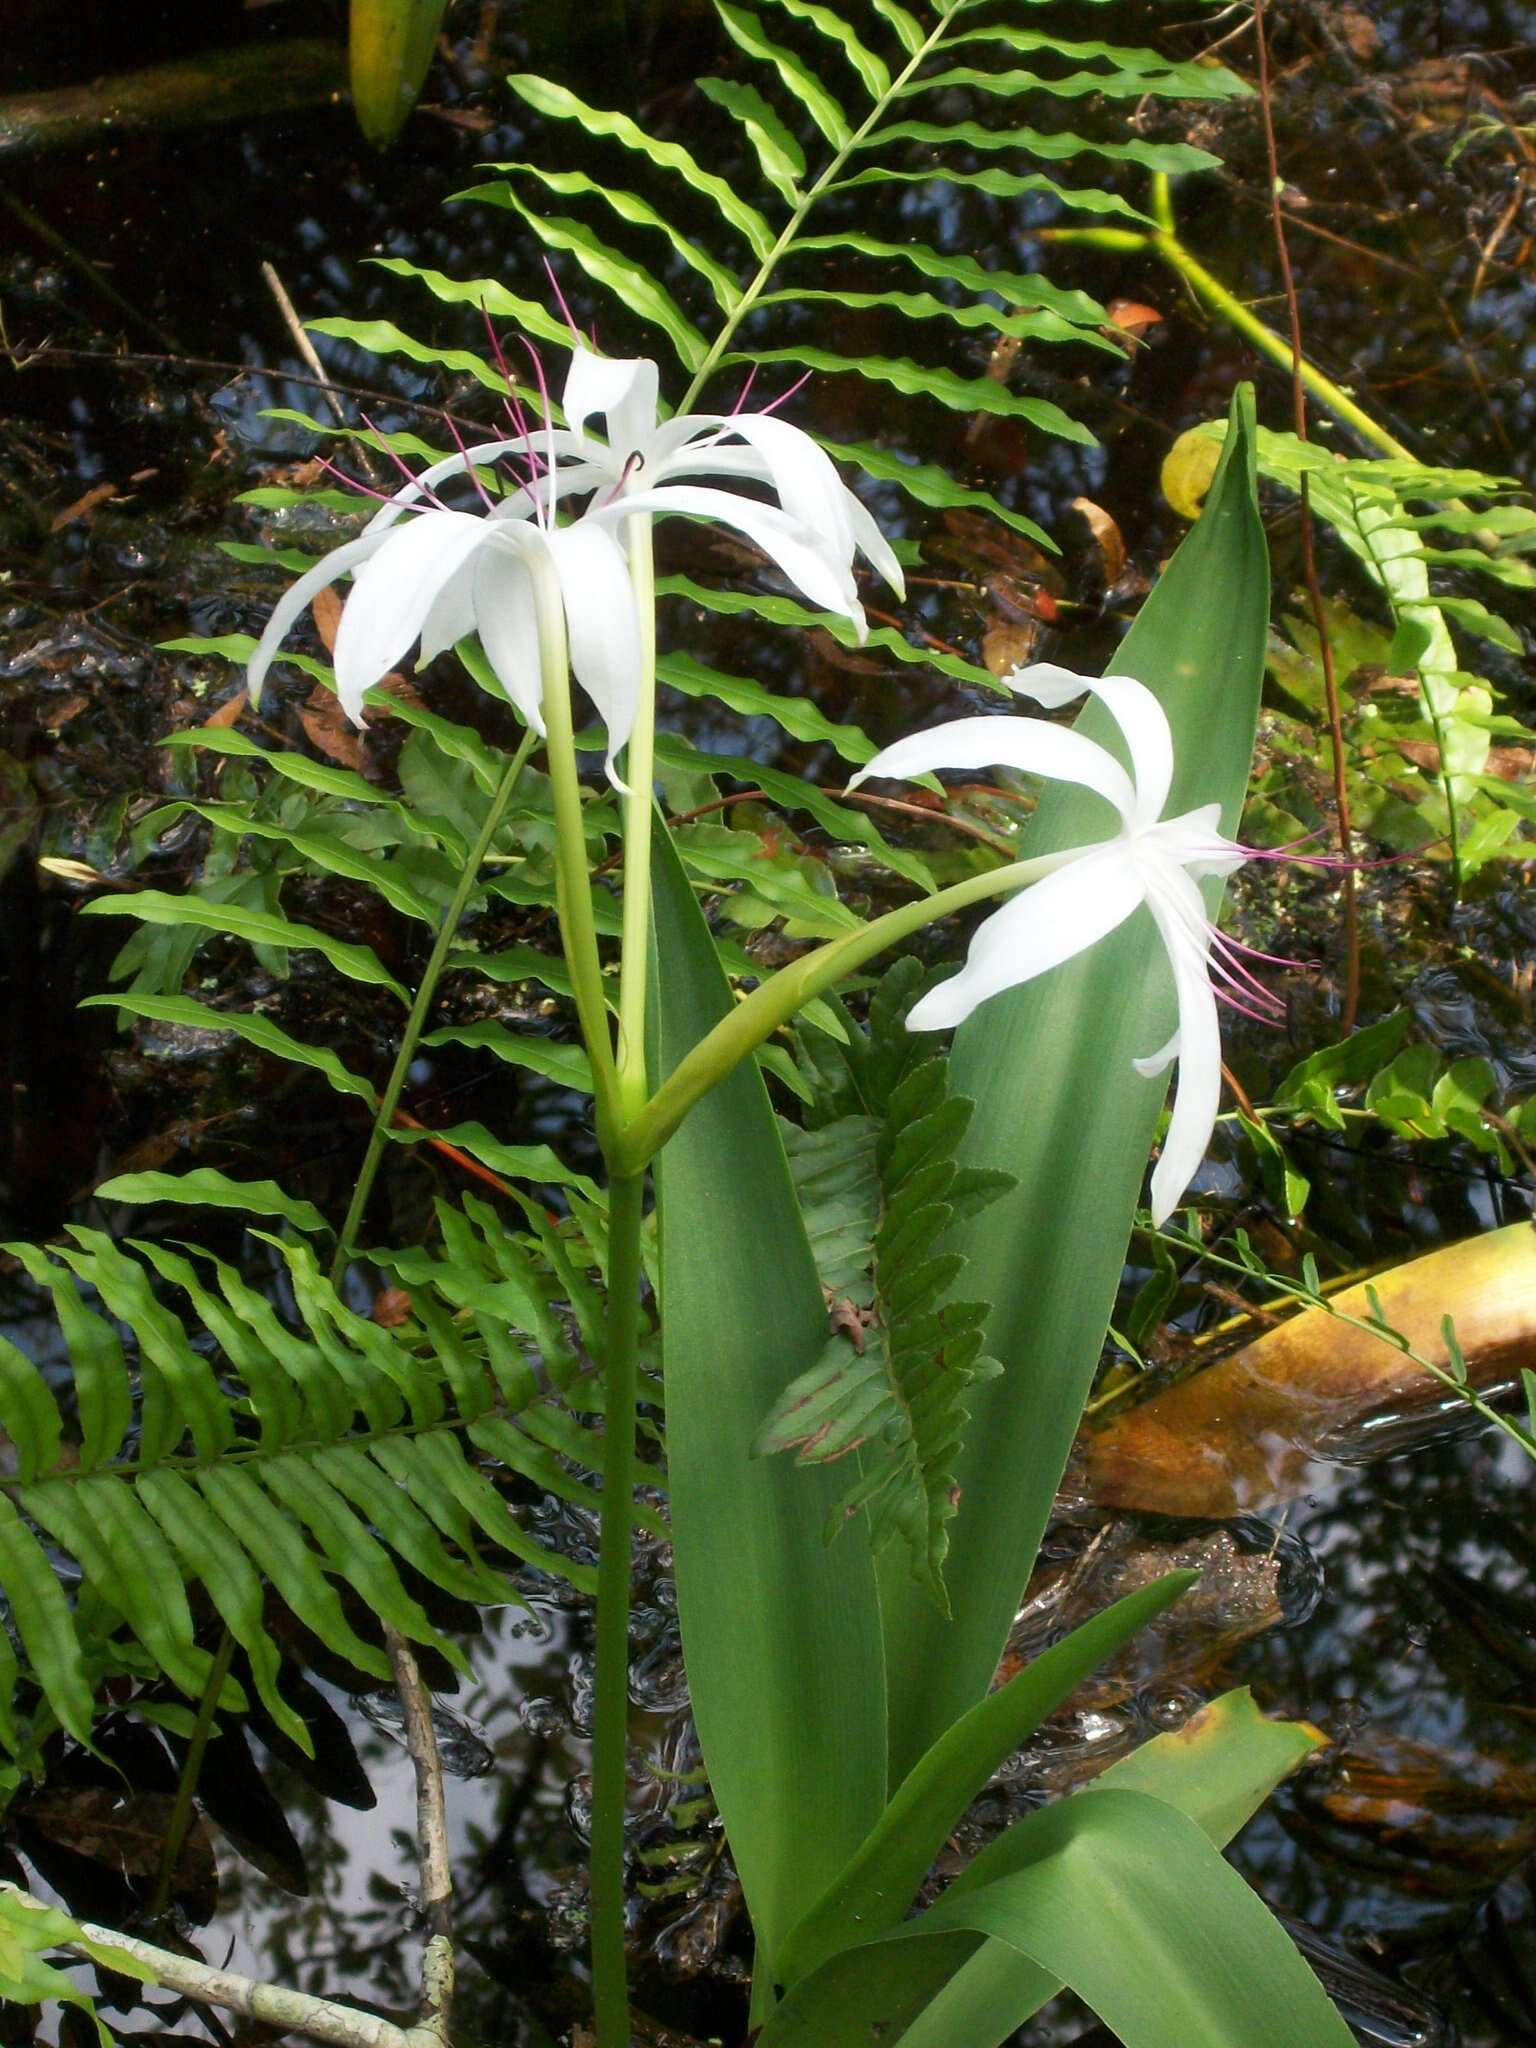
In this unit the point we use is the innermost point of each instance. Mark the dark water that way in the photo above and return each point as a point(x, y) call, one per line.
point(145, 349)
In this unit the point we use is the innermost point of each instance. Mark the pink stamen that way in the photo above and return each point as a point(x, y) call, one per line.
point(784, 397)
point(740, 405)
point(469, 468)
point(1231, 1002)
point(545, 516)
point(511, 403)
point(404, 467)
point(554, 285)
point(353, 484)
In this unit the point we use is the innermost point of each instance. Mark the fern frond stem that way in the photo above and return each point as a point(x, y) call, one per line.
point(191, 1771)
point(640, 769)
point(610, 1721)
point(776, 1000)
point(754, 290)
point(421, 1007)
point(437, 1963)
point(274, 2005)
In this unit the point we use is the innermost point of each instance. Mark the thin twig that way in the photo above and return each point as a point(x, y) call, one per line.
point(431, 1839)
point(302, 342)
point(1308, 551)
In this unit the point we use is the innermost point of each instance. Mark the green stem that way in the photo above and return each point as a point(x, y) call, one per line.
point(1165, 243)
point(640, 768)
point(421, 1008)
point(610, 1725)
point(772, 1004)
point(191, 1771)
point(573, 885)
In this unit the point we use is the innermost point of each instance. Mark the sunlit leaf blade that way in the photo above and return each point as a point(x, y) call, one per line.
point(206, 1188)
point(249, 1025)
point(488, 294)
point(1003, 185)
point(1015, 287)
point(563, 105)
point(779, 155)
point(931, 485)
point(781, 1635)
point(873, 73)
point(261, 927)
point(746, 32)
point(44, 1623)
point(629, 206)
point(1060, 1105)
point(801, 717)
point(923, 380)
point(1173, 157)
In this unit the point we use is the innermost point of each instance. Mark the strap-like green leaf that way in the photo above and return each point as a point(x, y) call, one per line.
point(744, 29)
point(206, 1188)
point(103, 1390)
point(567, 1064)
point(256, 1030)
point(489, 294)
point(384, 338)
point(628, 206)
point(44, 1623)
point(1018, 287)
point(260, 927)
point(1176, 158)
point(961, 394)
point(908, 28)
point(29, 1414)
point(874, 74)
point(560, 104)
point(1038, 325)
point(1002, 185)
point(1189, 82)
point(798, 716)
point(931, 485)
point(779, 155)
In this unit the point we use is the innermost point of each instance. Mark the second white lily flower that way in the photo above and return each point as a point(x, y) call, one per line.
point(1151, 860)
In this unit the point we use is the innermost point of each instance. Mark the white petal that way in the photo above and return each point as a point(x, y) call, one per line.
point(1196, 842)
point(1140, 717)
point(296, 598)
point(576, 446)
point(1155, 1062)
point(623, 389)
point(1040, 928)
point(450, 616)
point(509, 628)
point(809, 563)
point(603, 625)
point(1197, 1093)
point(392, 596)
point(1055, 751)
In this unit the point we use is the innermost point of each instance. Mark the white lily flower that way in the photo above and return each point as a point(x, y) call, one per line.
point(1150, 860)
point(812, 534)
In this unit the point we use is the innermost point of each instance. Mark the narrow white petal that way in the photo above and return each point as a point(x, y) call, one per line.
point(801, 554)
point(603, 626)
point(575, 446)
point(1037, 930)
point(1136, 711)
point(874, 547)
point(1055, 751)
point(1196, 842)
point(450, 616)
point(1197, 1092)
point(296, 598)
point(1156, 1062)
point(392, 596)
point(509, 628)
point(624, 390)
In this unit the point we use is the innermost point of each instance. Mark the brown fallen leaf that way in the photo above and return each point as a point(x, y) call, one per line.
point(1107, 538)
point(1257, 1426)
point(1129, 321)
point(325, 610)
point(1007, 646)
point(391, 1308)
point(228, 713)
point(330, 730)
point(125, 1831)
point(83, 507)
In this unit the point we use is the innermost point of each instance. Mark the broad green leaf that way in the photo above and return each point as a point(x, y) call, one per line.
point(560, 104)
point(781, 1634)
point(628, 206)
point(779, 155)
point(256, 1030)
point(206, 1188)
point(960, 394)
point(745, 30)
point(885, 1876)
point(567, 1064)
point(260, 927)
point(1060, 1105)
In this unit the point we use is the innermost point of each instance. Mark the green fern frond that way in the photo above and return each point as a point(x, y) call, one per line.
point(878, 1188)
point(239, 1450)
